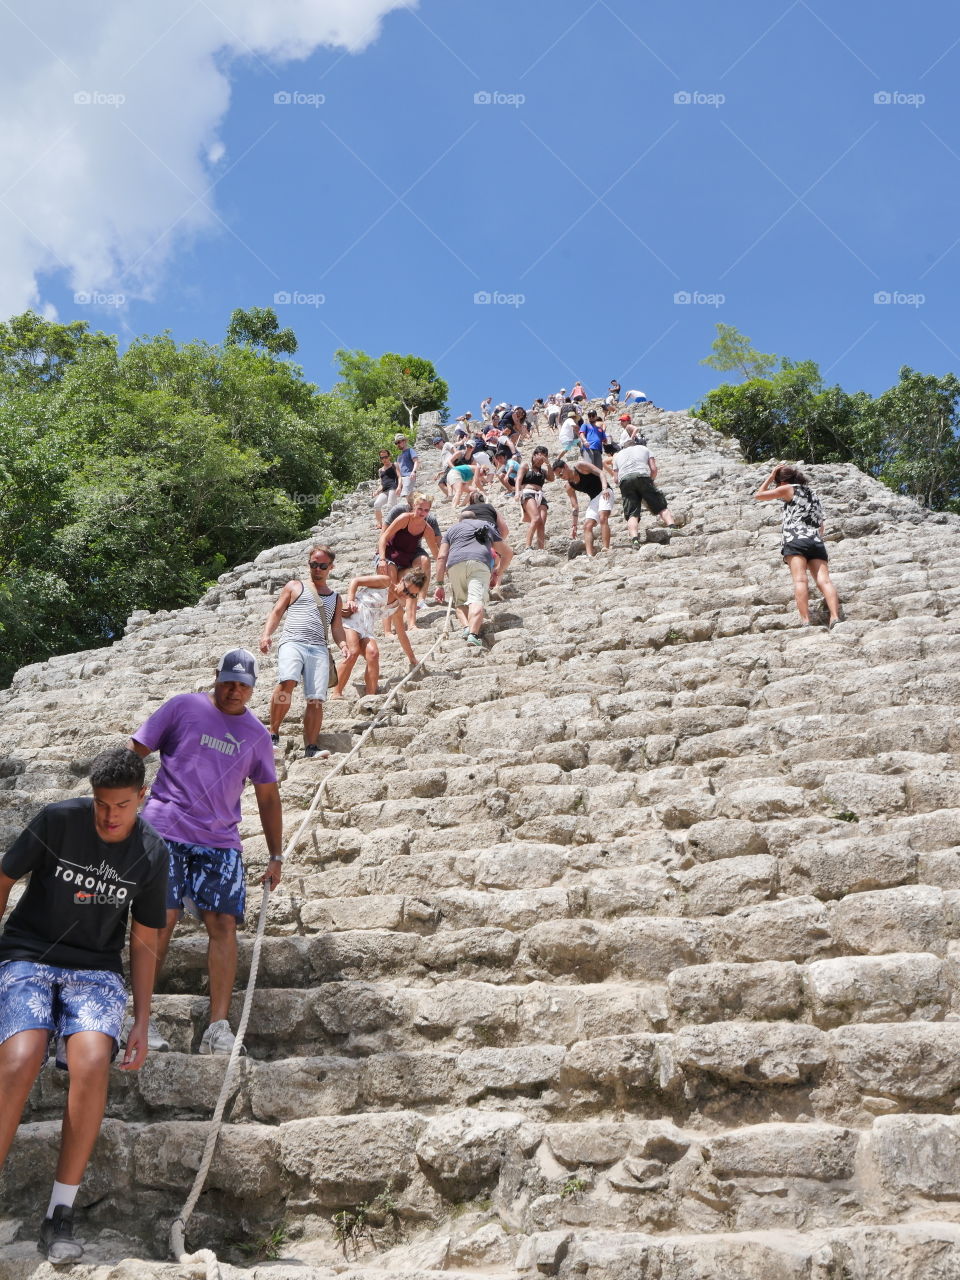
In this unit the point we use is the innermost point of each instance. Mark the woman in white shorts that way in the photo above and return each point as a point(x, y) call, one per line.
point(371, 599)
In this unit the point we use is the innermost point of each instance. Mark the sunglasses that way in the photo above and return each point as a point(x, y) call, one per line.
point(319, 564)
point(411, 594)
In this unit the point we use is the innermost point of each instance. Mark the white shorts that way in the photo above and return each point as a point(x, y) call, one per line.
point(383, 500)
point(307, 664)
point(406, 485)
point(602, 502)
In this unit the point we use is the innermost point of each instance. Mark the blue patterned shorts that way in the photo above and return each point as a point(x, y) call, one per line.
point(46, 997)
point(206, 879)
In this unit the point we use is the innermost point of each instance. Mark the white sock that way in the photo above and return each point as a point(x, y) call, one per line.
point(62, 1194)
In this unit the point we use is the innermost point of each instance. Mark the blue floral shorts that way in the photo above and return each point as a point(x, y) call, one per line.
point(46, 997)
point(205, 879)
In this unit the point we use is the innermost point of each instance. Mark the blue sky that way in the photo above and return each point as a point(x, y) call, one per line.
point(782, 197)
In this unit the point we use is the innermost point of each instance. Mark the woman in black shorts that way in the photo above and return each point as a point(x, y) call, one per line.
point(531, 478)
point(802, 538)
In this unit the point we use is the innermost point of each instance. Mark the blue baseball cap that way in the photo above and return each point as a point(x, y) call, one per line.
point(239, 665)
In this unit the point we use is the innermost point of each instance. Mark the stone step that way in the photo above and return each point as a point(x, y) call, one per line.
point(734, 1072)
point(622, 1176)
point(908, 918)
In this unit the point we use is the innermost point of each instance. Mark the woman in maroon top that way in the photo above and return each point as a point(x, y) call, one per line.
point(400, 547)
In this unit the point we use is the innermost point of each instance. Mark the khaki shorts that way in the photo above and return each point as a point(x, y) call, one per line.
point(470, 582)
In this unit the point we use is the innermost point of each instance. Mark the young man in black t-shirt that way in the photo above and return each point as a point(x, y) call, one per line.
point(92, 861)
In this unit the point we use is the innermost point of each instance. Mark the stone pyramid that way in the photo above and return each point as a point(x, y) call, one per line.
point(625, 950)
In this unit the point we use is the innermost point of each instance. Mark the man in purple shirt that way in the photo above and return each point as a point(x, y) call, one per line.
point(210, 745)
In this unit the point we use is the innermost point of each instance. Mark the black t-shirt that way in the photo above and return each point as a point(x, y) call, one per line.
point(588, 483)
point(483, 511)
point(73, 913)
point(388, 478)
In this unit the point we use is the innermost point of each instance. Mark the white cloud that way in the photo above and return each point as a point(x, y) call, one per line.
point(112, 110)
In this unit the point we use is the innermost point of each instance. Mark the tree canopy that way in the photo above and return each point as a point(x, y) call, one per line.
point(405, 386)
point(908, 437)
point(130, 480)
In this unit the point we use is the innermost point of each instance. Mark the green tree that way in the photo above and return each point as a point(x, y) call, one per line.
point(731, 350)
point(259, 327)
point(409, 384)
point(910, 438)
point(131, 480)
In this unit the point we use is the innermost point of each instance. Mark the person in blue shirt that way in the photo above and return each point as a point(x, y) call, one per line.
point(408, 464)
point(593, 438)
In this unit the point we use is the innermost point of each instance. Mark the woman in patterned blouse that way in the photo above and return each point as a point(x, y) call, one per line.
point(802, 538)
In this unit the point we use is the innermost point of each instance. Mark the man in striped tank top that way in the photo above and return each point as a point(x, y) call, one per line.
point(303, 653)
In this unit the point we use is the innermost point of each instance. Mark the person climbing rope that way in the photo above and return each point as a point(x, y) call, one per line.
point(802, 545)
point(92, 862)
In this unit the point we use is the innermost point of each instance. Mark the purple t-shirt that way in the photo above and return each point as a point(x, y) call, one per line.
point(206, 758)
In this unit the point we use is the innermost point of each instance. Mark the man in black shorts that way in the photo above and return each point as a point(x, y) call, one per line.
point(92, 862)
point(636, 469)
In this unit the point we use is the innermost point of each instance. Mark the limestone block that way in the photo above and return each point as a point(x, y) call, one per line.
point(818, 1151)
point(918, 1154)
point(916, 1061)
point(464, 1150)
point(796, 929)
point(568, 946)
point(293, 1087)
point(629, 1061)
point(762, 801)
point(723, 838)
point(864, 793)
point(468, 947)
point(337, 914)
point(341, 1160)
point(714, 992)
point(721, 887)
point(910, 918)
point(742, 1052)
point(833, 868)
point(534, 1066)
point(588, 1143)
point(407, 1079)
point(650, 949)
point(451, 1005)
point(888, 988)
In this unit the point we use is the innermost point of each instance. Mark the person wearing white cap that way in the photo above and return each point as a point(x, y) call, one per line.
point(210, 747)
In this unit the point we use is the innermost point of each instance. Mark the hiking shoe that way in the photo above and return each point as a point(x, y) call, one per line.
point(218, 1038)
point(275, 739)
point(473, 641)
point(313, 752)
point(636, 543)
point(56, 1242)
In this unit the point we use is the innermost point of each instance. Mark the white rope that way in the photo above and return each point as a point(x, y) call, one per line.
point(207, 1257)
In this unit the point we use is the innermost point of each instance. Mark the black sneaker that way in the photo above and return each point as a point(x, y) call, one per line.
point(275, 739)
point(56, 1241)
point(313, 752)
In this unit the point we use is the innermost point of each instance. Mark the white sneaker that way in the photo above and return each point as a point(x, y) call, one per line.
point(218, 1038)
point(155, 1040)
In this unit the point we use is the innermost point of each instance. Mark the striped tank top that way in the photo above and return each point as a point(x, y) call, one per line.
point(302, 622)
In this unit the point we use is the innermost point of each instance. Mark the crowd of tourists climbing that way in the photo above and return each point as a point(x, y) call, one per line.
point(96, 863)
